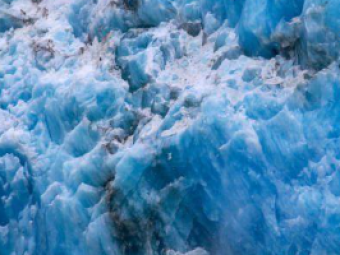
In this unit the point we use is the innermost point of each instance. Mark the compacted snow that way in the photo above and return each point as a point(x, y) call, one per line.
point(146, 127)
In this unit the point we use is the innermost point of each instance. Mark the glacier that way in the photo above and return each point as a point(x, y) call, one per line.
point(175, 127)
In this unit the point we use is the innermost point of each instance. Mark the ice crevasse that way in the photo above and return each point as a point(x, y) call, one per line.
point(146, 127)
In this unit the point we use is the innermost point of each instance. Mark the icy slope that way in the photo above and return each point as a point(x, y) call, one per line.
point(170, 127)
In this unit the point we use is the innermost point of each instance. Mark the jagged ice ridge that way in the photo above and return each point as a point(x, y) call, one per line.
point(146, 127)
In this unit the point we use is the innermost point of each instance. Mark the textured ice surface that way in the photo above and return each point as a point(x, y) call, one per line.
point(176, 127)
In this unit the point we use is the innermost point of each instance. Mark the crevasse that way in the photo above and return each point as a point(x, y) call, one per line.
point(146, 127)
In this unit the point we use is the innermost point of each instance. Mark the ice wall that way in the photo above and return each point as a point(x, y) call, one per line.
point(169, 127)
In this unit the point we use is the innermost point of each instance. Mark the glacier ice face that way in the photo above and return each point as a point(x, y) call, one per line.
point(321, 32)
point(177, 127)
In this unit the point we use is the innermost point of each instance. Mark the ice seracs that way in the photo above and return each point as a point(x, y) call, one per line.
point(169, 127)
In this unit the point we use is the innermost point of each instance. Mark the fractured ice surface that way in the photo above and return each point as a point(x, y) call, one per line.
point(176, 127)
